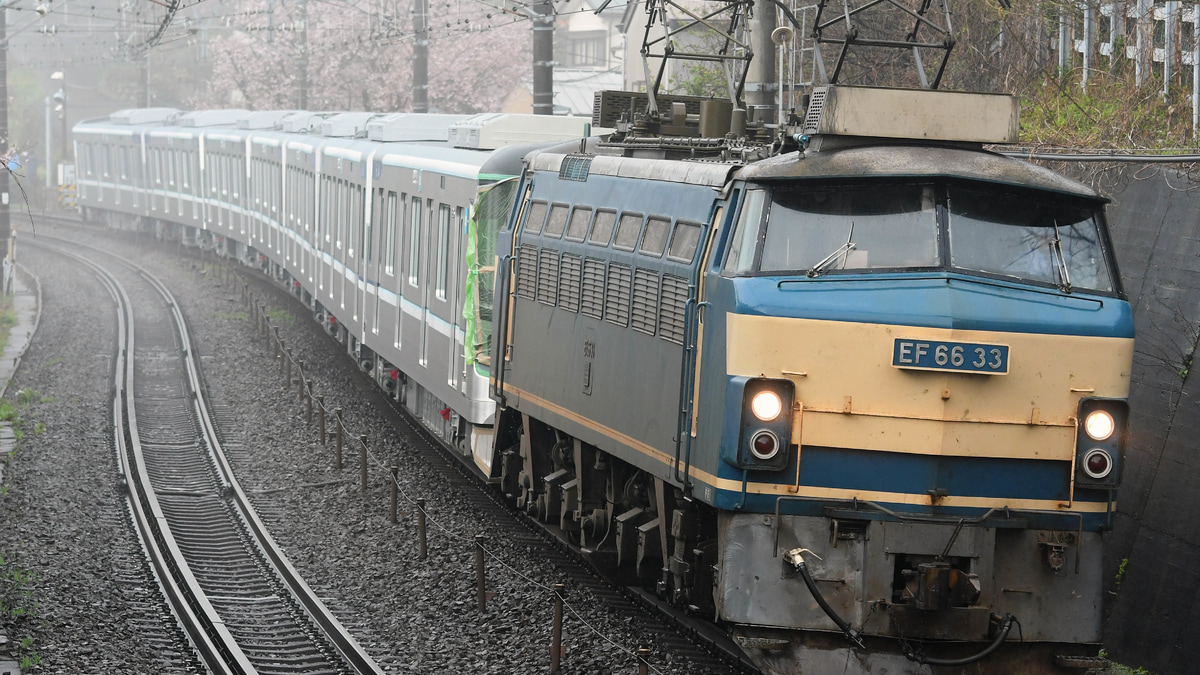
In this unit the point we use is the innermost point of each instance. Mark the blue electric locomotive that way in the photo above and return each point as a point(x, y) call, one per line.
point(873, 386)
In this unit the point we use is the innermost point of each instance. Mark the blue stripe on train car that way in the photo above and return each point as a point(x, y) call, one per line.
point(936, 300)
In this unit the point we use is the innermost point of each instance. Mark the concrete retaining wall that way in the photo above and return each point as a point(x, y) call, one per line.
point(1154, 614)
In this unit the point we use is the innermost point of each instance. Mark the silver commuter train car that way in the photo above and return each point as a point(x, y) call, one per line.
point(281, 189)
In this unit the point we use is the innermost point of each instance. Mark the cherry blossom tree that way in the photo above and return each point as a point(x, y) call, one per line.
point(359, 56)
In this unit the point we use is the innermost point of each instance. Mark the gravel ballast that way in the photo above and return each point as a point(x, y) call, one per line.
point(64, 516)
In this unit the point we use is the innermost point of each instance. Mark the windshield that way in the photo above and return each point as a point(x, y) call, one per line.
point(1027, 235)
point(837, 228)
point(1028, 238)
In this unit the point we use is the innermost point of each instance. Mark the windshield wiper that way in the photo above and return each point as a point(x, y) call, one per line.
point(842, 250)
point(1060, 260)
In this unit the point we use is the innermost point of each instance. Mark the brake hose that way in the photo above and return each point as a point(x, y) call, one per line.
point(851, 634)
point(1005, 626)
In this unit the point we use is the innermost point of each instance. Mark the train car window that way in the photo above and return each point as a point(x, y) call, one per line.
point(443, 251)
point(684, 241)
point(1027, 238)
point(851, 227)
point(354, 223)
point(654, 240)
point(414, 243)
point(106, 161)
point(124, 163)
point(603, 228)
point(389, 246)
point(581, 216)
point(745, 234)
point(557, 220)
point(535, 217)
point(369, 225)
point(342, 214)
point(629, 228)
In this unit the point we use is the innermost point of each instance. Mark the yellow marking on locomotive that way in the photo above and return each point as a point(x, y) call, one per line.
point(854, 397)
point(839, 494)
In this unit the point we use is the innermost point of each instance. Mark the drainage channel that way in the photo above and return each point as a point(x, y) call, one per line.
point(240, 602)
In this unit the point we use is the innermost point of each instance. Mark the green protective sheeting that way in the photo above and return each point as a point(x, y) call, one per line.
point(490, 214)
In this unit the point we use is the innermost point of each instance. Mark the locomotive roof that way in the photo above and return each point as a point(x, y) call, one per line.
point(912, 161)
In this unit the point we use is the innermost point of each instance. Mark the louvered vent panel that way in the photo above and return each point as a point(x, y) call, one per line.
point(593, 288)
point(645, 300)
point(671, 312)
point(527, 259)
point(816, 108)
point(547, 280)
point(575, 167)
point(616, 300)
point(568, 282)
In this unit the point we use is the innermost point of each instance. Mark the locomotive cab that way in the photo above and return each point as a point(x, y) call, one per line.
point(949, 333)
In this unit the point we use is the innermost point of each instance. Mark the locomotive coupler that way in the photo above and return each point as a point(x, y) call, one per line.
point(939, 586)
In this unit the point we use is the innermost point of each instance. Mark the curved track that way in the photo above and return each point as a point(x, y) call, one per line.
point(241, 604)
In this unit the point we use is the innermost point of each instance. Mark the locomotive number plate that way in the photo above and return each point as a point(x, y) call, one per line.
point(960, 357)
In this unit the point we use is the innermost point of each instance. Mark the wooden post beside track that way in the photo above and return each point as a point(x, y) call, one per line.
point(556, 631)
point(643, 656)
point(422, 540)
point(300, 379)
point(480, 575)
point(362, 462)
point(308, 401)
point(394, 494)
point(321, 418)
point(287, 380)
point(337, 432)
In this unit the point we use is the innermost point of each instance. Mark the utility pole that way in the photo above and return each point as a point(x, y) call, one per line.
point(760, 80)
point(144, 77)
point(543, 58)
point(302, 102)
point(46, 158)
point(5, 226)
point(420, 91)
point(61, 97)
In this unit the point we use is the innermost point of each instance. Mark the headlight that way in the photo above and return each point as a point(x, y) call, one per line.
point(1099, 425)
point(764, 445)
point(1097, 463)
point(766, 405)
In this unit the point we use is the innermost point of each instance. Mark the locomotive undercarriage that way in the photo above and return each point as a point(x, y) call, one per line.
point(638, 526)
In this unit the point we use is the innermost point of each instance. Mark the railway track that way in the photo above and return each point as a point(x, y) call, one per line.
point(681, 635)
point(237, 598)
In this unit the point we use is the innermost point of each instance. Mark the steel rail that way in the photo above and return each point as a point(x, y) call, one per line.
point(223, 656)
point(214, 645)
point(346, 645)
